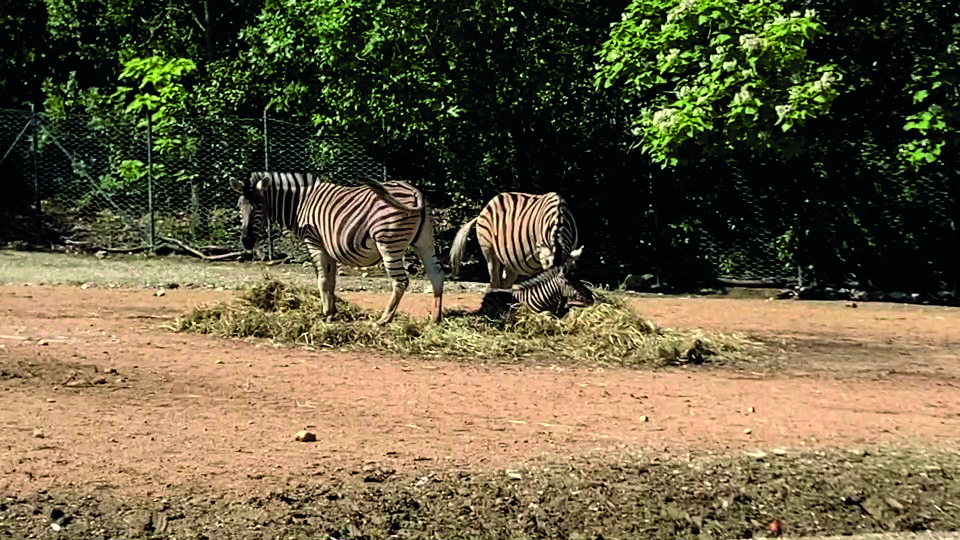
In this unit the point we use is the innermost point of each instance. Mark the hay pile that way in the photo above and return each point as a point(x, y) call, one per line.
point(608, 331)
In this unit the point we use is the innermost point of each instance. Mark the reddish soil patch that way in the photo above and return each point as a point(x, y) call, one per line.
point(96, 393)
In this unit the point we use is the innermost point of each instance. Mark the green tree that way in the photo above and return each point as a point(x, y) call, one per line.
point(469, 98)
point(717, 74)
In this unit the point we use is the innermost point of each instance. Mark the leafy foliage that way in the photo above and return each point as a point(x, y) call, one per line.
point(469, 98)
point(717, 74)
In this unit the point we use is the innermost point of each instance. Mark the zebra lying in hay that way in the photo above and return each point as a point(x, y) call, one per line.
point(555, 290)
point(355, 226)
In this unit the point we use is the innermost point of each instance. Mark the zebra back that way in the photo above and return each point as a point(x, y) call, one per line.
point(339, 218)
point(528, 233)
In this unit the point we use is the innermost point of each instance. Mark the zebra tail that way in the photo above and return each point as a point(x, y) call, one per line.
point(385, 195)
point(459, 244)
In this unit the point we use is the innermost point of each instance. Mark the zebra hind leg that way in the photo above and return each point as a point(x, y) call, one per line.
point(393, 264)
point(326, 280)
point(509, 278)
point(427, 255)
point(494, 267)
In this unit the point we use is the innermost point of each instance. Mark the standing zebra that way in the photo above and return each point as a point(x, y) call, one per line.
point(356, 226)
point(520, 235)
point(555, 290)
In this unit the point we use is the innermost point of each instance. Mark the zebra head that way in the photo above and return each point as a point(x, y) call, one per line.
point(252, 222)
point(576, 293)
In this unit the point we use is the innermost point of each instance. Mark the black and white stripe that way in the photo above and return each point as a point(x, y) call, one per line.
point(355, 226)
point(520, 235)
point(555, 290)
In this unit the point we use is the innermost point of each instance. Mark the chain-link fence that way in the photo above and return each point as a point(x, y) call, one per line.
point(114, 183)
point(112, 186)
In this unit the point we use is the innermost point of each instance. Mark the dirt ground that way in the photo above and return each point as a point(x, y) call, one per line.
point(112, 425)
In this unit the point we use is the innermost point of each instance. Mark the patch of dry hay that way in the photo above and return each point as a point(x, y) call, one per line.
point(609, 331)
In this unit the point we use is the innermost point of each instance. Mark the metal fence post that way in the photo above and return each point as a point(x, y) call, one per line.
point(266, 168)
point(34, 149)
point(383, 130)
point(153, 242)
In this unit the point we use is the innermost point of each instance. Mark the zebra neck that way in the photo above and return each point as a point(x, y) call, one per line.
point(282, 205)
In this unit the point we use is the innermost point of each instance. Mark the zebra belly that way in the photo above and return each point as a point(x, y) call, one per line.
point(526, 267)
point(357, 257)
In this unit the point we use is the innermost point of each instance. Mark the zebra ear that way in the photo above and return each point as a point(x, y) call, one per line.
point(237, 185)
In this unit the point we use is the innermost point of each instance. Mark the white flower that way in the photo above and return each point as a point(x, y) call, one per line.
point(751, 42)
point(743, 95)
point(664, 118)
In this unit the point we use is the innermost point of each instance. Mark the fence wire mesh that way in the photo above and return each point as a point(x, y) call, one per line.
point(87, 179)
point(95, 174)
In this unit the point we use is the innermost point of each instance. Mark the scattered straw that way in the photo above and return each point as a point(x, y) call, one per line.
point(608, 331)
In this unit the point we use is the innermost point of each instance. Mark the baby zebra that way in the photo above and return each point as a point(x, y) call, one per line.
point(555, 290)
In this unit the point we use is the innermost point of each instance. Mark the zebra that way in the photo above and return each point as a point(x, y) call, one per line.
point(355, 226)
point(520, 235)
point(553, 290)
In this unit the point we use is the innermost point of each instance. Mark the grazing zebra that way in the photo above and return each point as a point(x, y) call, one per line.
point(356, 226)
point(553, 290)
point(520, 235)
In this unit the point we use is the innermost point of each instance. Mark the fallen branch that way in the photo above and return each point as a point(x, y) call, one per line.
point(225, 256)
point(279, 261)
point(183, 246)
point(197, 253)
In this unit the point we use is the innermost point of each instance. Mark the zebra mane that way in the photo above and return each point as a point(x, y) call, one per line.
point(559, 257)
point(286, 180)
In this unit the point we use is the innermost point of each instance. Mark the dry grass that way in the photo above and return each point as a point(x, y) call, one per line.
point(608, 332)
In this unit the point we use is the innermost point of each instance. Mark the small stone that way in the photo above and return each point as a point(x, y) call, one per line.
point(51, 400)
point(748, 431)
point(42, 342)
point(218, 362)
point(779, 451)
point(643, 418)
point(55, 527)
point(365, 274)
point(38, 433)
point(751, 410)
point(757, 455)
point(305, 436)
point(893, 503)
point(161, 292)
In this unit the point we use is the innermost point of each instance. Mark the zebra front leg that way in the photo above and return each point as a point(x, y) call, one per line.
point(393, 264)
point(326, 280)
